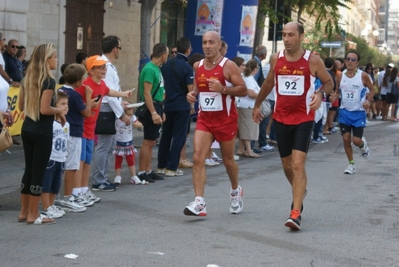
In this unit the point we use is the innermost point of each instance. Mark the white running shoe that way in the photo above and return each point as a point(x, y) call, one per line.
point(57, 209)
point(54, 214)
point(365, 151)
point(81, 200)
point(351, 169)
point(118, 180)
point(195, 208)
point(135, 180)
point(236, 203)
point(92, 197)
point(69, 206)
point(210, 162)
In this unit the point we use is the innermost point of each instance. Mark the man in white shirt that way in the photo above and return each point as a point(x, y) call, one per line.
point(111, 47)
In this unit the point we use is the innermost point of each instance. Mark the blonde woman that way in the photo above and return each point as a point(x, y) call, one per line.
point(36, 98)
point(247, 129)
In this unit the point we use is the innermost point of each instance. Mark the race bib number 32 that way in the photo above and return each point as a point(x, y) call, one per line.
point(211, 101)
point(291, 85)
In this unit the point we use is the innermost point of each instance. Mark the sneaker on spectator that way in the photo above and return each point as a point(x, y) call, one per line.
point(294, 221)
point(379, 117)
point(135, 180)
point(155, 176)
point(69, 206)
point(106, 187)
point(318, 141)
point(335, 130)
point(210, 162)
point(118, 180)
point(92, 197)
point(54, 214)
point(236, 203)
point(351, 169)
point(215, 157)
point(145, 177)
point(257, 151)
point(365, 151)
point(54, 207)
point(82, 200)
point(161, 171)
point(236, 157)
point(170, 173)
point(267, 148)
point(195, 208)
point(325, 139)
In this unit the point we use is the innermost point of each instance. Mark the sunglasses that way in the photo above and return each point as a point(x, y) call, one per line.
point(119, 47)
point(173, 52)
point(2, 39)
point(351, 59)
point(62, 92)
point(15, 46)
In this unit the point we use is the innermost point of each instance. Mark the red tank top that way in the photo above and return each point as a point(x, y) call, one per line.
point(294, 86)
point(226, 112)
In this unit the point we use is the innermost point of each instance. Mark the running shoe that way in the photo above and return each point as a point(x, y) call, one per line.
point(365, 151)
point(92, 197)
point(145, 177)
point(154, 176)
point(294, 221)
point(69, 206)
point(195, 208)
point(135, 180)
point(57, 209)
point(106, 187)
point(351, 169)
point(118, 180)
point(161, 171)
point(267, 148)
point(210, 162)
point(51, 213)
point(81, 200)
point(318, 141)
point(236, 203)
point(215, 157)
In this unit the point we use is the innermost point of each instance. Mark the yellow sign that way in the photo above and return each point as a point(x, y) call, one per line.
point(17, 115)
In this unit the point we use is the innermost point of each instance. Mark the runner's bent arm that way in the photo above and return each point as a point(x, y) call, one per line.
point(268, 84)
point(232, 74)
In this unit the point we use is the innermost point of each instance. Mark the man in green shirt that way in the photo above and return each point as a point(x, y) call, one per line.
point(152, 92)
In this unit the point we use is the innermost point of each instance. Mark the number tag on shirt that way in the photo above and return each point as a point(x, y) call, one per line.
point(211, 101)
point(291, 85)
point(350, 95)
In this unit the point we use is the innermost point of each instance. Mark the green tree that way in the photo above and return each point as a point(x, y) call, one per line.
point(326, 13)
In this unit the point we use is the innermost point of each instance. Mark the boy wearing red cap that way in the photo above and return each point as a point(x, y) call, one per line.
point(96, 68)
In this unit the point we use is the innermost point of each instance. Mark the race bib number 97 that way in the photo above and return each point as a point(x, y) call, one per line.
point(211, 101)
point(291, 85)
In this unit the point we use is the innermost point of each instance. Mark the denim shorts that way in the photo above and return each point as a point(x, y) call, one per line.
point(52, 177)
point(87, 150)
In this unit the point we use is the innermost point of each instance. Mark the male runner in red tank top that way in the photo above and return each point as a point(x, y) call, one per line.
point(293, 72)
point(217, 119)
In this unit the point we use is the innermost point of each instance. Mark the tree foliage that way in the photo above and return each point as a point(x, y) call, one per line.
point(326, 12)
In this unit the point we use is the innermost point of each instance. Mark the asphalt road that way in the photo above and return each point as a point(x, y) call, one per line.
point(348, 220)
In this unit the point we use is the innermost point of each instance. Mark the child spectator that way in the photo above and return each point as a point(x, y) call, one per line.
point(55, 165)
point(124, 147)
point(96, 67)
point(78, 110)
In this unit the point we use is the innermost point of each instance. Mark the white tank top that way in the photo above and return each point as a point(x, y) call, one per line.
point(353, 92)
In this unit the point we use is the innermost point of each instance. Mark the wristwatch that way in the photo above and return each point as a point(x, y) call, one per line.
point(323, 93)
point(10, 81)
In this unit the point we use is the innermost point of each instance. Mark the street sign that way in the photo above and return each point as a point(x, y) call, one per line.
point(330, 44)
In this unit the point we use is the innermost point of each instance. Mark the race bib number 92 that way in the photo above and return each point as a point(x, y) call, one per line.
point(291, 85)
